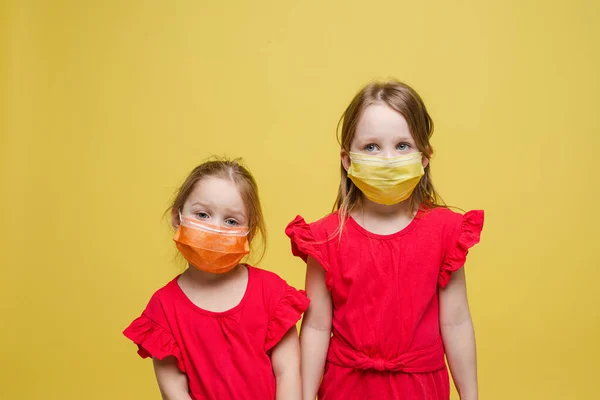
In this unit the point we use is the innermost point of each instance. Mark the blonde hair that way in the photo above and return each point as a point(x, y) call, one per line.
point(232, 170)
point(406, 101)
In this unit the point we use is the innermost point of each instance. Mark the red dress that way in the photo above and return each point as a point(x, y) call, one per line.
point(386, 341)
point(225, 355)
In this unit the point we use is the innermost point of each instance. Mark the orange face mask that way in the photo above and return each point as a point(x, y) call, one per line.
point(211, 248)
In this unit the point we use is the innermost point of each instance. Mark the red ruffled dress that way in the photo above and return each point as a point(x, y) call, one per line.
point(386, 341)
point(225, 355)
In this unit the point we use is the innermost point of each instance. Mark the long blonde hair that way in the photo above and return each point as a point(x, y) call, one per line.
point(406, 101)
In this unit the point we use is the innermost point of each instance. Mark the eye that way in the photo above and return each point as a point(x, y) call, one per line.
point(403, 146)
point(231, 222)
point(202, 215)
point(371, 147)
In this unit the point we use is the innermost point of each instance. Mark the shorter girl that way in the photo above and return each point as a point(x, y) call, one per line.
point(221, 330)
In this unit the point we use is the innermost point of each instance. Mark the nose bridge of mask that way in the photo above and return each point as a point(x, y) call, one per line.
point(376, 161)
point(207, 227)
point(386, 175)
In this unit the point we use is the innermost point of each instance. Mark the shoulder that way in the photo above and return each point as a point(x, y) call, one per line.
point(444, 217)
point(325, 225)
point(441, 214)
point(451, 224)
point(162, 298)
point(450, 221)
point(266, 277)
point(330, 221)
point(270, 286)
point(268, 283)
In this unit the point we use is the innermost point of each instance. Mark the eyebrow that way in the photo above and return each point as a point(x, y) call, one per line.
point(376, 139)
point(236, 212)
point(198, 203)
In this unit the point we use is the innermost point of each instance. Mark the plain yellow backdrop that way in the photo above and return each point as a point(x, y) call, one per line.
point(107, 105)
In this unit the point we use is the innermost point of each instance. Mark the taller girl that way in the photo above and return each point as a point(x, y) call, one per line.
point(384, 274)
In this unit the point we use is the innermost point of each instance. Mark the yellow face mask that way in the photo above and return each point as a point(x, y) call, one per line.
point(386, 180)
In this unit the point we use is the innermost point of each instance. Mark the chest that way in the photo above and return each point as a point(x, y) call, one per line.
point(241, 329)
point(404, 266)
point(219, 298)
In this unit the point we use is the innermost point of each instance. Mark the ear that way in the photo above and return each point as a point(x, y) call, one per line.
point(424, 161)
point(174, 218)
point(426, 156)
point(345, 157)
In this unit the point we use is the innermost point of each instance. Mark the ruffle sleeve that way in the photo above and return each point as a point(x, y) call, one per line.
point(468, 236)
point(286, 314)
point(153, 340)
point(304, 244)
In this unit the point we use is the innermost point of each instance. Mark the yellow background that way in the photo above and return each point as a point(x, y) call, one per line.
point(107, 105)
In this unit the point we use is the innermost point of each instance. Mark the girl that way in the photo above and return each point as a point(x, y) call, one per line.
point(221, 330)
point(384, 270)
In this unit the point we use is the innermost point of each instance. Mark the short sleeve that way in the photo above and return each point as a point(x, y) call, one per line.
point(467, 236)
point(149, 331)
point(304, 243)
point(287, 313)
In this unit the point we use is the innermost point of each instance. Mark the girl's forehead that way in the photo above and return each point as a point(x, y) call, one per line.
point(378, 121)
point(218, 193)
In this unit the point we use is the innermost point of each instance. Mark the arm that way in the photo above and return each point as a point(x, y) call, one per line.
point(285, 358)
point(172, 382)
point(316, 330)
point(458, 336)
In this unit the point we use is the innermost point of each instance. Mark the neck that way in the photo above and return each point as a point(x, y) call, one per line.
point(381, 219)
point(377, 210)
point(198, 276)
